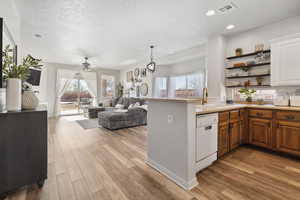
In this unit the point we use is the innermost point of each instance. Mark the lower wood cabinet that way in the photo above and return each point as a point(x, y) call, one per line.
point(234, 135)
point(229, 136)
point(288, 137)
point(223, 139)
point(272, 129)
point(260, 132)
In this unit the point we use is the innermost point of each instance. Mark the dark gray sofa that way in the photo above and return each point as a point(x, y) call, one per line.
point(116, 120)
point(113, 120)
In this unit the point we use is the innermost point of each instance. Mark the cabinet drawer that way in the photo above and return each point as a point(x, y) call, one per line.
point(260, 113)
point(234, 115)
point(285, 115)
point(224, 117)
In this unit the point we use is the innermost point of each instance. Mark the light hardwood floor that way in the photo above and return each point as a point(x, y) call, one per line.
point(99, 164)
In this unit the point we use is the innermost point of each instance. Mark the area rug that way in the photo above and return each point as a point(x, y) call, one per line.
point(88, 123)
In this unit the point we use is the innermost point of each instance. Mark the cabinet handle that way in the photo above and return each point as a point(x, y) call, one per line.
point(259, 114)
point(208, 128)
point(290, 117)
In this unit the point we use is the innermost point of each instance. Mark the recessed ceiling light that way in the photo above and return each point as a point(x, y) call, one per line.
point(38, 35)
point(210, 13)
point(231, 26)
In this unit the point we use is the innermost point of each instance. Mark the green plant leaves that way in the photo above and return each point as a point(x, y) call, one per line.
point(11, 70)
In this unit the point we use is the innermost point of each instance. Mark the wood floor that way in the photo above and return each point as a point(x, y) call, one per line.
point(98, 164)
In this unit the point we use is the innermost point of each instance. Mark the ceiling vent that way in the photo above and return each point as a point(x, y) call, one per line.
point(227, 8)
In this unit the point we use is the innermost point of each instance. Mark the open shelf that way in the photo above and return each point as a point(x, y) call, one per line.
point(249, 76)
point(249, 66)
point(239, 86)
point(249, 54)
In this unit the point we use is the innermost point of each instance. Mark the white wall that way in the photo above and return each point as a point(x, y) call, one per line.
point(182, 62)
point(47, 86)
point(248, 39)
point(215, 67)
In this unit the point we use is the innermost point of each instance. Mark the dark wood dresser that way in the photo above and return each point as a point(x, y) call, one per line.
point(23, 149)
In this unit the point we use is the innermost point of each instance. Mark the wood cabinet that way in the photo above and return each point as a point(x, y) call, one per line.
point(285, 61)
point(276, 130)
point(229, 136)
point(288, 137)
point(234, 135)
point(223, 139)
point(260, 132)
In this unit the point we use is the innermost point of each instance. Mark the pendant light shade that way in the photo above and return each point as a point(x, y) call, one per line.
point(151, 66)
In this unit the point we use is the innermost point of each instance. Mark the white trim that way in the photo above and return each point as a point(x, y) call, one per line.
point(187, 185)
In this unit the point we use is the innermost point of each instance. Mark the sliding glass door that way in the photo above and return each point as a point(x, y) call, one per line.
point(76, 97)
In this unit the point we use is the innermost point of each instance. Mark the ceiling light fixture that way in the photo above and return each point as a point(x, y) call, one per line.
point(210, 13)
point(229, 27)
point(151, 66)
point(86, 65)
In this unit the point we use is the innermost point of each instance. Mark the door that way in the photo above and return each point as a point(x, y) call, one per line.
point(288, 137)
point(234, 135)
point(259, 132)
point(223, 139)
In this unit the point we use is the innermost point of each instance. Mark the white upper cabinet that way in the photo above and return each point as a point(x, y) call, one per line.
point(285, 61)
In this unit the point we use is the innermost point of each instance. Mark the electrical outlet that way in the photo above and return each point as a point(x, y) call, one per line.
point(170, 119)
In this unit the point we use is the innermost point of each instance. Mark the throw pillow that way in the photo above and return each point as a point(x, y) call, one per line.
point(119, 106)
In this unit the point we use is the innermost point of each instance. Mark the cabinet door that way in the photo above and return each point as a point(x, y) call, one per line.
point(288, 137)
point(234, 135)
point(285, 61)
point(260, 132)
point(223, 139)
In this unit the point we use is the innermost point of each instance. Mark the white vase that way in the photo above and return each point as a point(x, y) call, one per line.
point(29, 100)
point(2, 99)
point(14, 94)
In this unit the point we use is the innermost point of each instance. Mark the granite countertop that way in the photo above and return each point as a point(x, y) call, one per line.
point(205, 109)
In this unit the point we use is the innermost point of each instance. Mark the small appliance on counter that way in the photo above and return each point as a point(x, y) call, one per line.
point(295, 98)
point(282, 99)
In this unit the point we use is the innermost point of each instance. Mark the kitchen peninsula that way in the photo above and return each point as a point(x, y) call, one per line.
point(186, 137)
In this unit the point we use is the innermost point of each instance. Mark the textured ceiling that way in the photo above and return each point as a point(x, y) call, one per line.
point(116, 33)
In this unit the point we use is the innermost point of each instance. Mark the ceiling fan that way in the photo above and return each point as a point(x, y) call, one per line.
point(86, 65)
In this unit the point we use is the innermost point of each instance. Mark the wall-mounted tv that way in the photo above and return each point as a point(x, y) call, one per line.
point(35, 77)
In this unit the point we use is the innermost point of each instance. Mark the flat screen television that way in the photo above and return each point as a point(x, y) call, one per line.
point(35, 77)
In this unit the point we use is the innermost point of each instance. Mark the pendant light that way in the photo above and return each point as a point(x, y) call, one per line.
point(151, 66)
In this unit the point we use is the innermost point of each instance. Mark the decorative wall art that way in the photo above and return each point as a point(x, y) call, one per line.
point(144, 89)
point(137, 72)
point(144, 72)
point(129, 76)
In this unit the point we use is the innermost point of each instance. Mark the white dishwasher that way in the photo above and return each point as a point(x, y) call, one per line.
point(206, 140)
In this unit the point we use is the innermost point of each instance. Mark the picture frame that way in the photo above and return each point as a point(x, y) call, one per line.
point(144, 72)
point(129, 76)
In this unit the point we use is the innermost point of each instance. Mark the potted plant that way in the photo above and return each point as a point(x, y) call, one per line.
point(238, 51)
point(248, 93)
point(14, 75)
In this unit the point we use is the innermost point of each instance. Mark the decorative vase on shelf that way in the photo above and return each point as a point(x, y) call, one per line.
point(29, 100)
point(14, 94)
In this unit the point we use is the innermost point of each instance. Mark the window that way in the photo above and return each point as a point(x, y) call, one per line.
point(189, 85)
point(108, 86)
point(161, 89)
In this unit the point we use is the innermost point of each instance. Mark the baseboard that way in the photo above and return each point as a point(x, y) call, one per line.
point(187, 185)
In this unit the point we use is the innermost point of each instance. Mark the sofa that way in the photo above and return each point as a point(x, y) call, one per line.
point(112, 118)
